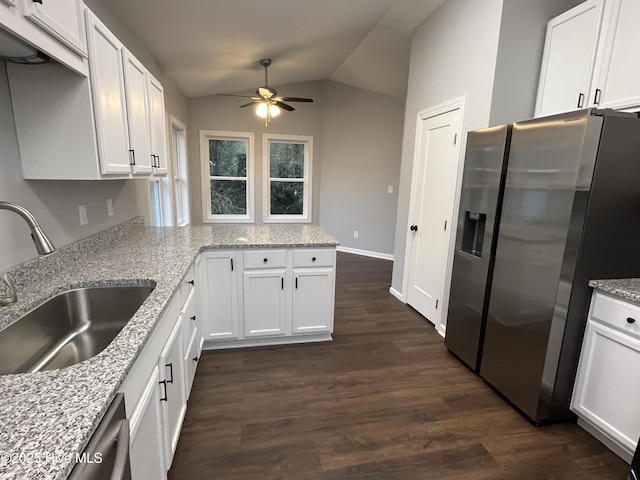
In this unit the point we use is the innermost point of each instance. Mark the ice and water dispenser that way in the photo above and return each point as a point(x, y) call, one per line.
point(473, 233)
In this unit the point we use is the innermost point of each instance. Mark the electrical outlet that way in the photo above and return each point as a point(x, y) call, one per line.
point(83, 214)
point(355, 234)
point(109, 207)
point(390, 189)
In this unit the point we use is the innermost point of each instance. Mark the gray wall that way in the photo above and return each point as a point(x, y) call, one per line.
point(54, 203)
point(522, 32)
point(361, 142)
point(490, 52)
point(453, 53)
point(357, 137)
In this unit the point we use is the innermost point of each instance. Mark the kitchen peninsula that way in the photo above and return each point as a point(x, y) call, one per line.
point(48, 417)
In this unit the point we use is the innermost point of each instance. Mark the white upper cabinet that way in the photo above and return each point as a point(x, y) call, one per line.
point(158, 126)
point(55, 27)
point(71, 127)
point(617, 78)
point(63, 19)
point(568, 61)
point(135, 76)
point(106, 71)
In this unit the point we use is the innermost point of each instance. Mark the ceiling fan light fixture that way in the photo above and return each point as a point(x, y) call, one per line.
point(263, 109)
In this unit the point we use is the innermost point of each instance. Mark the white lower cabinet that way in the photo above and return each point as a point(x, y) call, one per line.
point(147, 448)
point(283, 296)
point(313, 295)
point(172, 382)
point(219, 286)
point(158, 384)
point(264, 303)
point(607, 389)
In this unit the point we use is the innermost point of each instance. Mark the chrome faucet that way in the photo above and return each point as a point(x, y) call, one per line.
point(42, 242)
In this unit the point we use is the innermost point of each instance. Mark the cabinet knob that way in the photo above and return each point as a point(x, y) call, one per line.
point(265, 260)
point(195, 359)
point(191, 282)
point(631, 320)
point(37, 1)
point(413, 228)
point(193, 318)
point(313, 259)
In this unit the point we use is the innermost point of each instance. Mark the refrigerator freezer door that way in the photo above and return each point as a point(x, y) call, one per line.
point(483, 178)
point(543, 209)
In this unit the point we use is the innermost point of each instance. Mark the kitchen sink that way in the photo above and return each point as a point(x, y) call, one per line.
point(69, 328)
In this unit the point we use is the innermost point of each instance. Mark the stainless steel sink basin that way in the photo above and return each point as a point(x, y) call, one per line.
point(69, 328)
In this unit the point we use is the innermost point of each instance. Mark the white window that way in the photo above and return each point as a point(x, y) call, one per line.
point(288, 164)
point(227, 171)
point(179, 177)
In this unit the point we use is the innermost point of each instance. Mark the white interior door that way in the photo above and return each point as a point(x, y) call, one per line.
point(431, 212)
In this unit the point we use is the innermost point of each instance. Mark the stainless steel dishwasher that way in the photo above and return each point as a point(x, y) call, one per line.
point(106, 456)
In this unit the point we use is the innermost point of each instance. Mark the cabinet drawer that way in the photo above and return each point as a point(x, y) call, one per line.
point(187, 284)
point(313, 257)
point(265, 259)
point(616, 313)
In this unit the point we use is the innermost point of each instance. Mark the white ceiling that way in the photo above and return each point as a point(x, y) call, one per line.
point(213, 46)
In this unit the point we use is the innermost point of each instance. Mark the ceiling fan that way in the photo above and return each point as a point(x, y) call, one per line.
point(267, 99)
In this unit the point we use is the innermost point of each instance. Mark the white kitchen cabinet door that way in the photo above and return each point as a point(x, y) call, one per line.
point(158, 126)
point(219, 295)
point(617, 78)
point(265, 303)
point(110, 108)
point(313, 292)
point(135, 82)
point(172, 381)
point(62, 19)
point(569, 58)
point(607, 388)
point(146, 446)
point(191, 359)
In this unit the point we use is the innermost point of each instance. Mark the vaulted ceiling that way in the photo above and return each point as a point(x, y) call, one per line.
point(213, 46)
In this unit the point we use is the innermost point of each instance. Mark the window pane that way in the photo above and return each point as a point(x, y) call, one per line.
point(227, 158)
point(287, 198)
point(286, 160)
point(228, 197)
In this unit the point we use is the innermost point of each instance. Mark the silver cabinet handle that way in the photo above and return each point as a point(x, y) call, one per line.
point(122, 453)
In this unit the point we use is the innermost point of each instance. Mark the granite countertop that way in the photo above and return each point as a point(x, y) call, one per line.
point(625, 288)
point(47, 417)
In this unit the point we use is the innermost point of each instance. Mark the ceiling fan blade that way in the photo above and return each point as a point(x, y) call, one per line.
point(250, 103)
point(232, 95)
point(284, 106)
point(296, 99)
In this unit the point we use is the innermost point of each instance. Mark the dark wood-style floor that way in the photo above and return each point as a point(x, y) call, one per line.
point(383, 401)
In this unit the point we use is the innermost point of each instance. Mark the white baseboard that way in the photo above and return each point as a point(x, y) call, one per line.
point(397, 294)
point(365, 253)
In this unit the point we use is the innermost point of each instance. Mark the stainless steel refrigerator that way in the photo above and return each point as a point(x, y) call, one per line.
point(485, 168)
point(570, 213)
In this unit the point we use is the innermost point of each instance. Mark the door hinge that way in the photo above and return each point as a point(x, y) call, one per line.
point(455, 138)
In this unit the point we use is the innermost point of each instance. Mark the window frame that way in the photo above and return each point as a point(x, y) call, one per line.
point(179, 175)
point(207, 215)
point(307, 207)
